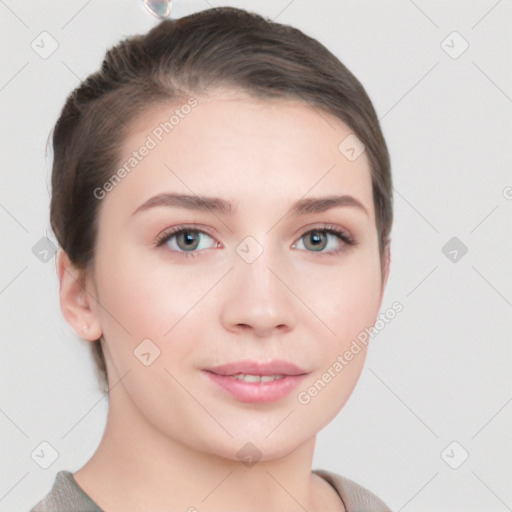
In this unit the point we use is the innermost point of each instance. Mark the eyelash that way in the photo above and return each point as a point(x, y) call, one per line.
point(324, 228)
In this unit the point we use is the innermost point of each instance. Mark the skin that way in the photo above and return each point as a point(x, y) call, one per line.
point(171, 436)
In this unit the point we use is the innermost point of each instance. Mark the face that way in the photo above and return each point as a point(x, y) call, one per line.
point(265, 279)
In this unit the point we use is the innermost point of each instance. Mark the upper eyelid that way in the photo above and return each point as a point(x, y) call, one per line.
point(174, 230)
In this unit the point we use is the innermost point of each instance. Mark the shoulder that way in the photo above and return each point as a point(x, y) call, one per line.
point(355, 497)
point(65, 496)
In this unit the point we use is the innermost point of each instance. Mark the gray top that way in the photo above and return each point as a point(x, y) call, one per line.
point(67, 496)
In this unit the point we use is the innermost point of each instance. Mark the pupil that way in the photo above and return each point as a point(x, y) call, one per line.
point(316, 239)
point(189, 239)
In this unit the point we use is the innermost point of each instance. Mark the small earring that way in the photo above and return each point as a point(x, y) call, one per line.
point(85, 329)
point(159, 8)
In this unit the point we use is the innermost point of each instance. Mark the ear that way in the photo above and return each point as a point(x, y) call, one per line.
point(77, 299)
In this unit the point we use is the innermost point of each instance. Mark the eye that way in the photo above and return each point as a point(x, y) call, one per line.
point(186, 240)
point(327, 237)
point(189, 241)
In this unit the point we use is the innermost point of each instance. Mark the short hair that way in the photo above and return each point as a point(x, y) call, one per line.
point(224, 48)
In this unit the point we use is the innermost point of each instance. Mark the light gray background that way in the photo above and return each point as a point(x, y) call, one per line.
point(439, 372)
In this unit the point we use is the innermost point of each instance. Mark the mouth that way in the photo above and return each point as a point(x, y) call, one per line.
point(256, 378)
point(256, 382)
point(275, 368)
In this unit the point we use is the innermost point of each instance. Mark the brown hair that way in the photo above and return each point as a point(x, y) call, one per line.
point(225, 48)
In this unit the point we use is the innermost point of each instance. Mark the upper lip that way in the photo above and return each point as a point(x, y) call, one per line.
point(248, 367)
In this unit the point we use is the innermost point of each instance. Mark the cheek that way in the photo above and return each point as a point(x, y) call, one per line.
point(144, 301)
point(348, 304)
point(346, 297)
point(147, 299)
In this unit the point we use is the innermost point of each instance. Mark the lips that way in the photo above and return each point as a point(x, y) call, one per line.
point(258, 368)
point(256, 382)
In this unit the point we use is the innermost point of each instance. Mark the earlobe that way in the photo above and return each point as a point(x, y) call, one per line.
point(77, 299)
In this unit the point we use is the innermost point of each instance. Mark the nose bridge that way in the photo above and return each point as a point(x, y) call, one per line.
point(258, 276)
point(254, 269)
point(257, 297)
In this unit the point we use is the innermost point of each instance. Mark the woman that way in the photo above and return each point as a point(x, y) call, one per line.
point(222, 196)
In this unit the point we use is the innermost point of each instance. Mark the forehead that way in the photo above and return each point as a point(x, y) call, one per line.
point(236, 146)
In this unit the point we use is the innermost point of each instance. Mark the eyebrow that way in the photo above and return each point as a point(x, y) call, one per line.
point(223, 207)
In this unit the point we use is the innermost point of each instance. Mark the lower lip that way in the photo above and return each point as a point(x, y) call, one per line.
point(256, 392)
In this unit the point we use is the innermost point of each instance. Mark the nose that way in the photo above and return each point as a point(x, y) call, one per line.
point(258, 298)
